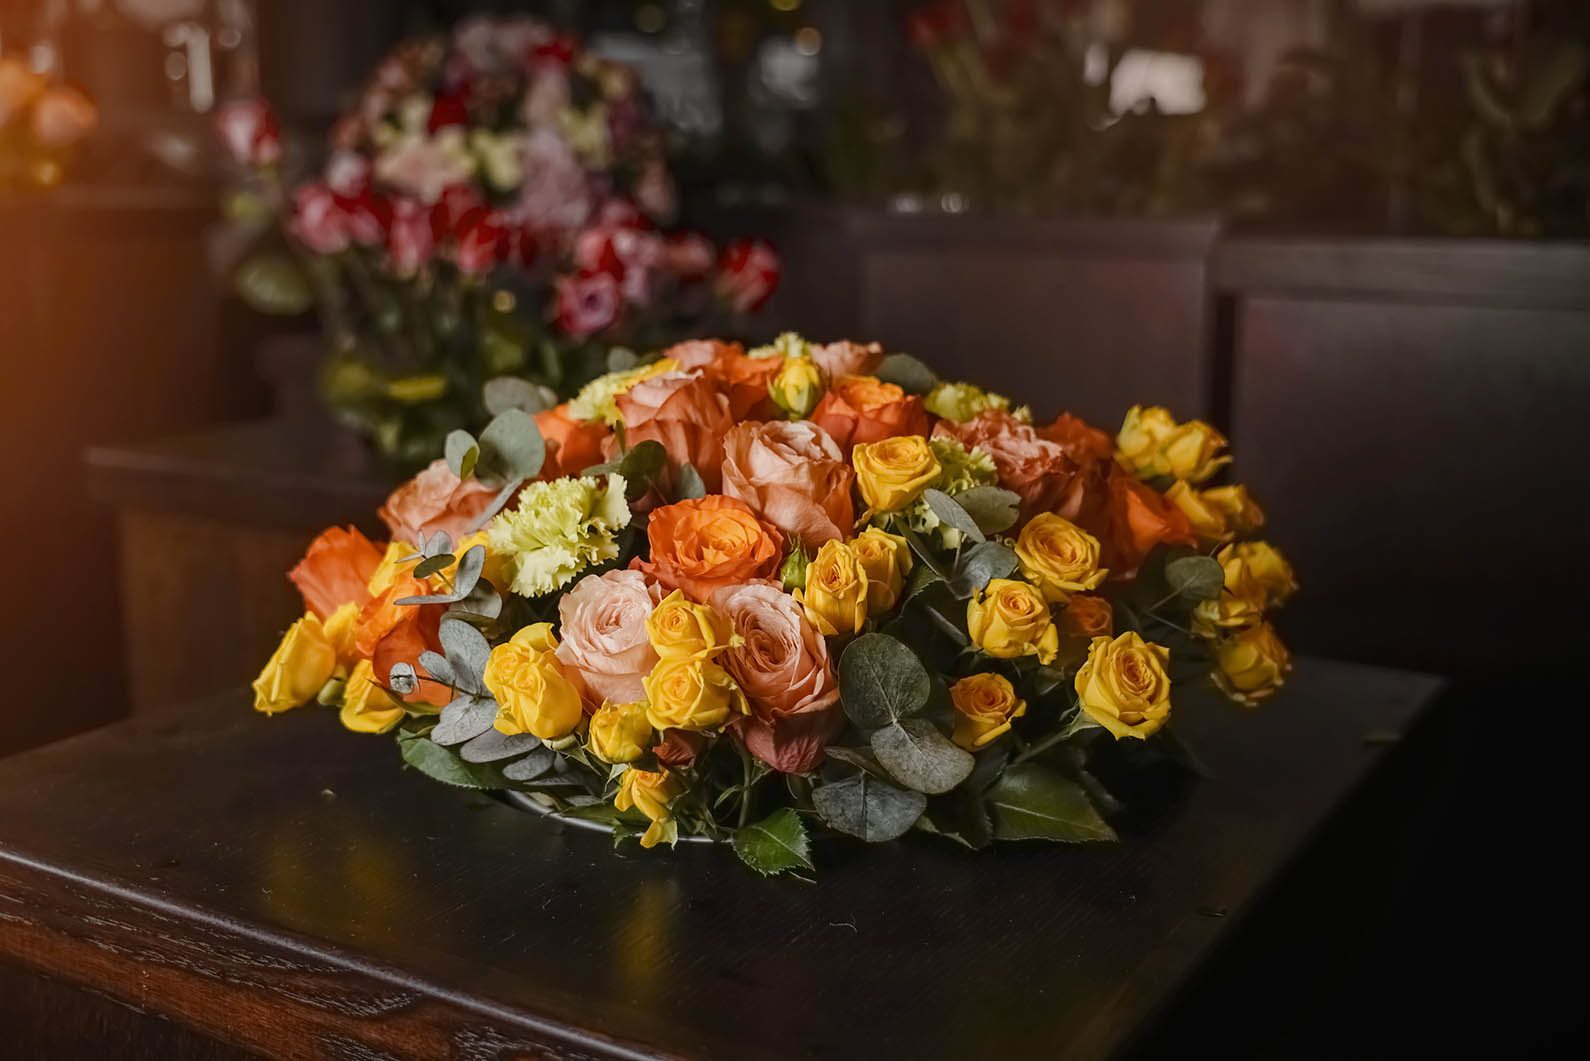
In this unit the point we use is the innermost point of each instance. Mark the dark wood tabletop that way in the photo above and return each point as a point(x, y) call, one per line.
point(283, 886)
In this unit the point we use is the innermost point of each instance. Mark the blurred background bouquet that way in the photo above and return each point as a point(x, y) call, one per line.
point(41, 123)
point(493, 211)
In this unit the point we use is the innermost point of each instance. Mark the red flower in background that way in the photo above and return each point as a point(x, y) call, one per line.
point(481, 244)
point(748, 275)
point(934, 24)
point(318, 222)
point(459, 205)
point(249, 130)
point(447, 110)
point(588, 302)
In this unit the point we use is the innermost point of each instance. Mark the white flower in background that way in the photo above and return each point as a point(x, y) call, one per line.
point(501, 157)
point(587, 133)
point(555, 192)
point(414, 114)
point(425, 166)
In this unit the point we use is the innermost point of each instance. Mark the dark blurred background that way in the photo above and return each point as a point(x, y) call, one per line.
point(1349, 232)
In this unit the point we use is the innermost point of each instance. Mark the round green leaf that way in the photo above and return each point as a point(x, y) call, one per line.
point(881, 681)
point(1195, 578)
point(950, 511)
point(918, 756)
point(512, 446)
point(867, 808)
point(907, 373)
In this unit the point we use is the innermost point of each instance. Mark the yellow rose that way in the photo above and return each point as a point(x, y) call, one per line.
point(797, 387)
point(1208, 520)
point(1009, 619)
point(533, 693)
point(620, 733)
point(341, 629)
point(984, 706)
point(1242, 513)
point(887, 560)
point(651, 792)
point(366, 707)
point(694, 694)
point(1257, 578)
point(1123, 685)
point(1058, 557)
point(679, 628)
point(1153, 445)
point(497, 570)
point(301, 664)
point(1252, 664)
point(836, 592)
point(894, 472)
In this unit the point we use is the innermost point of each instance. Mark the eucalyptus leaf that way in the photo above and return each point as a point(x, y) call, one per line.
point(442, 764)
point(467, 649)
point(432, 565)
point(690, 484)
point(1195, 578)
point(949, 510)
point(466, 718)
point(775, 844)
point(992, 508)
point(641, 466)
point(462, 452)
point(981, 564)
point(621, 359)
point(493, 746)
point(918, 756)
point(861, 758)
point(1032, 802)
point(510, 392)
point(907, 373)
point(470, 565)
point(868, 808)
point(479, 606)
point(437, 667)
point(401, 679)
point(511, 447)
point(881, 681)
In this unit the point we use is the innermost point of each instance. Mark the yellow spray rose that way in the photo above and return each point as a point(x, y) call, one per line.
point(694, 694)
point(1258, 578)
point(1152, 444)
point(1208, 520)
point(796, 387)
point(984, 705)
point(341, 629)
point(1058, 557)
point(679, 628)
point(651, 792)
point(1251, 664)
point(887, 560)
point(620, 733)
point(893, 473)
point(303, 662)
point(1242, 514)
point(1009, 619)
point(366, 706)
point(1123, 685)
point(836, 591)
point(533, 694)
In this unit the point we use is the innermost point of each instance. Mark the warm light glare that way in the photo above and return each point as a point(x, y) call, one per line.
point(808, 40)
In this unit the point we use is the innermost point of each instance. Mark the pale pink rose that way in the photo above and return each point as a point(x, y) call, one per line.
point(788, 678)
point(846, 358)
point(792, 474)
point(603, 634)
point(555, 192)
point(684, 412)
point(435, 500)
point(1035, 468)
point(699, 353)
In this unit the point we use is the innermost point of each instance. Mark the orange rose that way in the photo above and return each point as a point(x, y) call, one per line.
point(701, 545)
point(336, 570)
point(1082, 619)
point(864, 409)
point(435, 501)
point(685, 413)
point(845, 358)
point(572, 445)
point(1081, 441)
point(1035, 468)
point(1136, 518)
point(414, 633)
point(792, 474)
point(744, 381)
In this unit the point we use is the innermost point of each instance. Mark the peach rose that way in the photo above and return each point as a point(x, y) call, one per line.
point(336, 571)
point(684, 412)
point(785, 671)
point(702, 545)
point(603, 631)
point(1033, 467)
point(573, 445)
point(435, 500)
point(1135, 519)
point(863, 409)
point(744, 381)
point(699, 353)
point(845, 358)
point(793, 475)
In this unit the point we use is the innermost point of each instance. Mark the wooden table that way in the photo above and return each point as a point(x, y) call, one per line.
point(281, 886)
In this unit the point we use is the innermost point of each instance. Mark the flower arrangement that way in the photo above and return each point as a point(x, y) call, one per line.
point(744, 595)
point(492, 207)
point(40, 126)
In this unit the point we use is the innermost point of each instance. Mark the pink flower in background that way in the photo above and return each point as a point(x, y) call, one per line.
point(654, 191)
point(249, 130)
point(348, 174)
point(410, 244)
point(555, 193)
point(547, 97)
point(318, 222)
point(845, 358)
point(603, 634)
point(690, 255)
point(426, 166)
point(748, 275)
point(588, 302)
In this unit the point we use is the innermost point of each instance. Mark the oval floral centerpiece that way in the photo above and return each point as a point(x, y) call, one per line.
point(745, 595)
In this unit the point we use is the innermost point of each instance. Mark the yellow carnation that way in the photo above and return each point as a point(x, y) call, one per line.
point(598, 399)
point(557, 530)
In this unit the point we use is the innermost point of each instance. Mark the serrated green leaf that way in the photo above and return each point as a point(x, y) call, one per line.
point(1031, 802)
point(881, 681)
point(907, 373)
point(921, 758)
point(775, 844)
point(442, 764)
